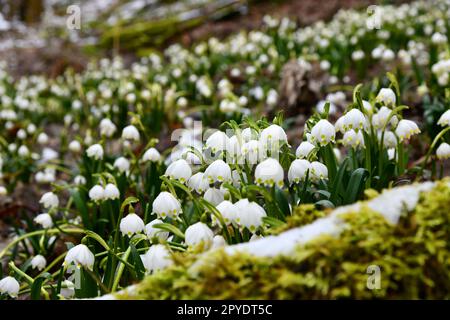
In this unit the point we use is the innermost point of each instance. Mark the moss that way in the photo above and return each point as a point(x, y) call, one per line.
point(413, 257)
point(301, 215)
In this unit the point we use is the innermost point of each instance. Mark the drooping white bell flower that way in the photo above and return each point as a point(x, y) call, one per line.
point(45, 220)
point(23, 151)
point(379, 119)
point(444, 119)
point(269, 173)
point(249, 134)
point(387, 97)
point(152, 155)
point(273, 136)
point(355, 119)
point(318, 171)
point(95, 151)
point(157, 258)
point(49, 200)
point(218, 171)
point(80, 255)
point(199, 234)
point(228, 211)
point(97, 193)
point(198, 183)
point(392, 155)
point(3, 191)
point(42, 138)
point(304, 150)
point(405, 129)
point(122, 163)
point(38, 262)
point(214, 196)
point(320, 107)
point(131, 224)
point(443, 151)
point(179, 170)
point(353, 139)
point(130, 133)
point(217, 142)
point(9, 286)
point(250, 214)
point(252, 152)
point(107, 127)
point(166, 205)
point(152, 232)
point(339, 125)
point(218, 242)
point(234, 147)
point(74, 146)
point(367, 106)
point(389, 139)
point(297, 170)
point(322, 133)
point(111, 192)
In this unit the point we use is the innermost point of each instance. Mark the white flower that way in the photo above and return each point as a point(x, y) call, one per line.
point(166, 205)
point(318, 171)
point(67, 289)
point(322, 133)
point(80, 255)
point(218, 141)
point(389, 139)
point(214, 196)
point(320, 107)
point(379, 119)
point(250, 214)
point(38, 262)
point(269, 172)
point(45, 220)
point(156, 258)
point(9, 286)
point(75, 146)
point(199, 234)
point(49, 200)
point(131, 224)
point(42, 138)
point(354, 119)
point(252, 151)
point(218, 171)
point(228, 211)
point(152, 232)
point(97, 193)
point(304, 150)
point(339, 125)
point(297, 170)
point(272, 135)
point(122, 163)
point(218, 242)
point(367, 106)
point(23, 151)
point(249, 134)
point(130, 133)
point(387, 97)
point(353, 139)
point(198, 183)
point(107, 127)
point(3, 191)
point(444, 120)
point(21, 134)
point(111, 192)
point(406, 128)
point(95, 151)
point(152, 155)
point(443, 151)
point(179, 170)
point(391, 153)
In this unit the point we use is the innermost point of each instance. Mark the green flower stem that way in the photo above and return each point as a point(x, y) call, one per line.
point(120, 269)
point(27, 278)
point(433, 145)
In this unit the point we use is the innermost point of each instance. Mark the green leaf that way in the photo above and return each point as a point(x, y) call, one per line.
point(355, 185)
point(36, 288)
point(171, 228)
point(282, 202)
point(273, 222)
point(80, 204)
point(137, 261)
point(325, 203)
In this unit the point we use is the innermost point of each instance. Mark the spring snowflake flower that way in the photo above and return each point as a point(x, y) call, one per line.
point(367, 106)
point(198, 183)
point(320, 107)
point(443, 151)
point(122, 163)
point(80, 255)
point(387, 97)
point(214, 196)
point(49, 200)
point(217, 142)
point(97, 193)
point(228, 211)
point(75, 146)
point(444, 120)
point(379, 119)
point(42, 138)
point(45, 220)
point(318, 171)
point(218, 242)
point(199, 234)
point(152, 155)
point(353, 139)
point(249, 134)
point(3, 191)
point(389, 139)
point(304, 150)
point(218, 171)
point(354, 119)
point(166, 205)
point(252, 151)
point(23, 151)
point(107, 128)
point(156, 258)
point(274, 134)
point(322, 133)
point(179, 170)
point(131, 224)
point(391, 154)
point(111, 192)
point(152, 232)
point(405, 129)
point(250, 214)
point(95, 151)
point(38, 262)
point(9, 286)
point(298, 170)
point(130, 133)
point(269, 172)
